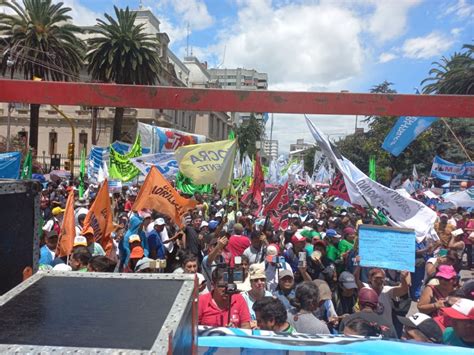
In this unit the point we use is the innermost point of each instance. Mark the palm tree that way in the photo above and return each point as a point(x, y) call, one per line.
point(121, 52)
point(452, 76)
point(40, 42)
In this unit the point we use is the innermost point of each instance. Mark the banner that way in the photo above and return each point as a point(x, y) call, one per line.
point(158, 194)
point(10, 165)
point(165, 140)
point(187, 186)
point(120, 165)
point(164, 162)
point(372, 168)
point(402, 212)
point(99, 218)
point(253, 197)
point(27, 166)
point(208, 163)
point(338, 188)
point(405, 131)
point(445, 170)
point(387, 248)
point(278, 208)
point(68, 229)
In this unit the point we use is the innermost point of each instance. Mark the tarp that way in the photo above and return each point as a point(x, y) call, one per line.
point(10, 165)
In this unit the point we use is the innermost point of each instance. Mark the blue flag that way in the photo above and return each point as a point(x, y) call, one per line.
point(10, 165)
point(404, 132)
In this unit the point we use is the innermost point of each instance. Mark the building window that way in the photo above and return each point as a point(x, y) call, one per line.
point(82, 142)
point(53, 143)
point(23, 137)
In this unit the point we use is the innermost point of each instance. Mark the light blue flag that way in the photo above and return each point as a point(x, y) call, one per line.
point(404, 132)
point(10, 165)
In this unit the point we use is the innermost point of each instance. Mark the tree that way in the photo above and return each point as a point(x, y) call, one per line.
point(308, 159)
point(121, 52)
point(40, 42)
point(453, 76)
point(248, 133)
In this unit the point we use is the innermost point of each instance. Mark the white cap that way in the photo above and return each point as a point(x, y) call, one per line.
point(160, 222)
point(203, 224)
point(80, 240)
point(62, 267)
point(219, 214)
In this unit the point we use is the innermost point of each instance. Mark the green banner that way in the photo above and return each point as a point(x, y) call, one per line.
point(372, 168)
point(27, 169)
point(121, 168)
point(186, 185)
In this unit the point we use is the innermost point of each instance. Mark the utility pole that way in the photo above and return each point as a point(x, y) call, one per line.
point(271, 137)
point(94, 125)
point(9, 117)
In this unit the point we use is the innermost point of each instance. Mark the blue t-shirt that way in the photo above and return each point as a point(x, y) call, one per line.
point(46, 258)
point(155, 243)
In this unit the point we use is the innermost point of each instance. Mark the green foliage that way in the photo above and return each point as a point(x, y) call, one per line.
point(452, 76)
point(248, 133)
point(123, 53)
point(309, 160)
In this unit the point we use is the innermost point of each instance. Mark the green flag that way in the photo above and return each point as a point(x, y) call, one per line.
point(231, 134)
point(186, 185)
point(121, 167)
point(372, 169)
point(27, 166)
point(82, 172)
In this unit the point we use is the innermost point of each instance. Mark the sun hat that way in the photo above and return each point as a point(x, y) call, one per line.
point(446, 272)
point(257, 271)
point(425, 324)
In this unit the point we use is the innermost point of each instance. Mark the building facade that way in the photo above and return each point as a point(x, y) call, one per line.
point(55, 132)
point(298, 149)
point(268, 148)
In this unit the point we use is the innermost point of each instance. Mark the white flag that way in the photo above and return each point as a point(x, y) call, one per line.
point(402, 211)
point(414, 173)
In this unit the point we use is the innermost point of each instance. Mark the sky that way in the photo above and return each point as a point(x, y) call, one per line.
point(310, 45)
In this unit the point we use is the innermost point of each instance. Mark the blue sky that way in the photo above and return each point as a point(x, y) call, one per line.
point(309, 45)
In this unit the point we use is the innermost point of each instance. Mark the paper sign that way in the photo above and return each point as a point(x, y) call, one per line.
point(387, 248)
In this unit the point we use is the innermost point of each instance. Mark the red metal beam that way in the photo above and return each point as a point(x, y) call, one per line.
point(111, 95)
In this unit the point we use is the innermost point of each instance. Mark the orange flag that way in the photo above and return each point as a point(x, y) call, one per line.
point(68, 228)
point(99, 218)
point(158, 194)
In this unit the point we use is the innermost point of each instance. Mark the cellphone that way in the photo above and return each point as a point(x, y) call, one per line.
point(238, 276)
point(237, 260)
point(302, 259)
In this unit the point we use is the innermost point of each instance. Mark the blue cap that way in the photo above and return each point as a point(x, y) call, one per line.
point(331, 233)
point(213, 225)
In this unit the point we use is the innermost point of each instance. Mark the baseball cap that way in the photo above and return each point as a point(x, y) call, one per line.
point(80, 241)
point(213, 225)
point(446, 272)
point(347, 280)
point(142, 264)
point(272, 250)
point(134, 238)
point(424, 324)
point(203, 224)
point(368, 296)
point(332, 233)
point(257, 271)
point(298, 237)
point(348, 231)
point(443, 215)
point(160, 222)
point(285, 272)
point(57, 210)
point(137, 252)
point(463, 309)
point(324, 291)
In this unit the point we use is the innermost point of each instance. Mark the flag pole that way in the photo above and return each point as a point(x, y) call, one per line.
point(457, 139)
point(372, 210)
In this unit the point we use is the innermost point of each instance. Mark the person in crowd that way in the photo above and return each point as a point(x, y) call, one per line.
point(456, 243)
point(362, 327)
point(258, 289)
point(245, 284)
point(422, 328)
point(434, 297)
point(155, 242)
point(285, 290)
point(445, 257)
point(326, 311)
point(79, 259)
point(93, 247)
point(371, 310)
point(305, 303)
point(213, 307)
point(466, 223)
point(193, 243)
point(272, 315)
point(444, 230)
point(462, 331)
point(385, 293)
point(237, 241)
point(100, 263)
point(47, 251)
point(256, 251)
point(136, 252)
point(347, 296)
point(189, 264)
point(274, 264)
point(54, 223)
point(291, 253)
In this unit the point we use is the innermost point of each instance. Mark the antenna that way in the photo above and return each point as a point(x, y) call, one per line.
point(187, 40)
point(140, 5)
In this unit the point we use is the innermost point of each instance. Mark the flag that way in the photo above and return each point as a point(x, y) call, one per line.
point(253, 197)
point(278, 208)
point(10, 164)
point(158, 194)
point(414, 173)
point(401, 211)
point(372, 168)
point(164, 162)
point(82, 172)
point(68, 229)
point(396, 181)
point(231, 134)
point(121, 168)
point(27, 170)
point(208, 163)
point(338, 188)
point(99, 218)
point(445, 170)
point(409, 187)
point(405, 131)
point(187, 186)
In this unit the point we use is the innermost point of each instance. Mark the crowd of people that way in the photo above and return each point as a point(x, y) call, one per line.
point(304, 278)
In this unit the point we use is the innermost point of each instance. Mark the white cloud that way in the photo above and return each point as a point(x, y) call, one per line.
point(387, 57)
point(194, 12)
point(426, 47)
point(81, 15)
point(462, 9)
point(456, 31)
point(389, 20)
